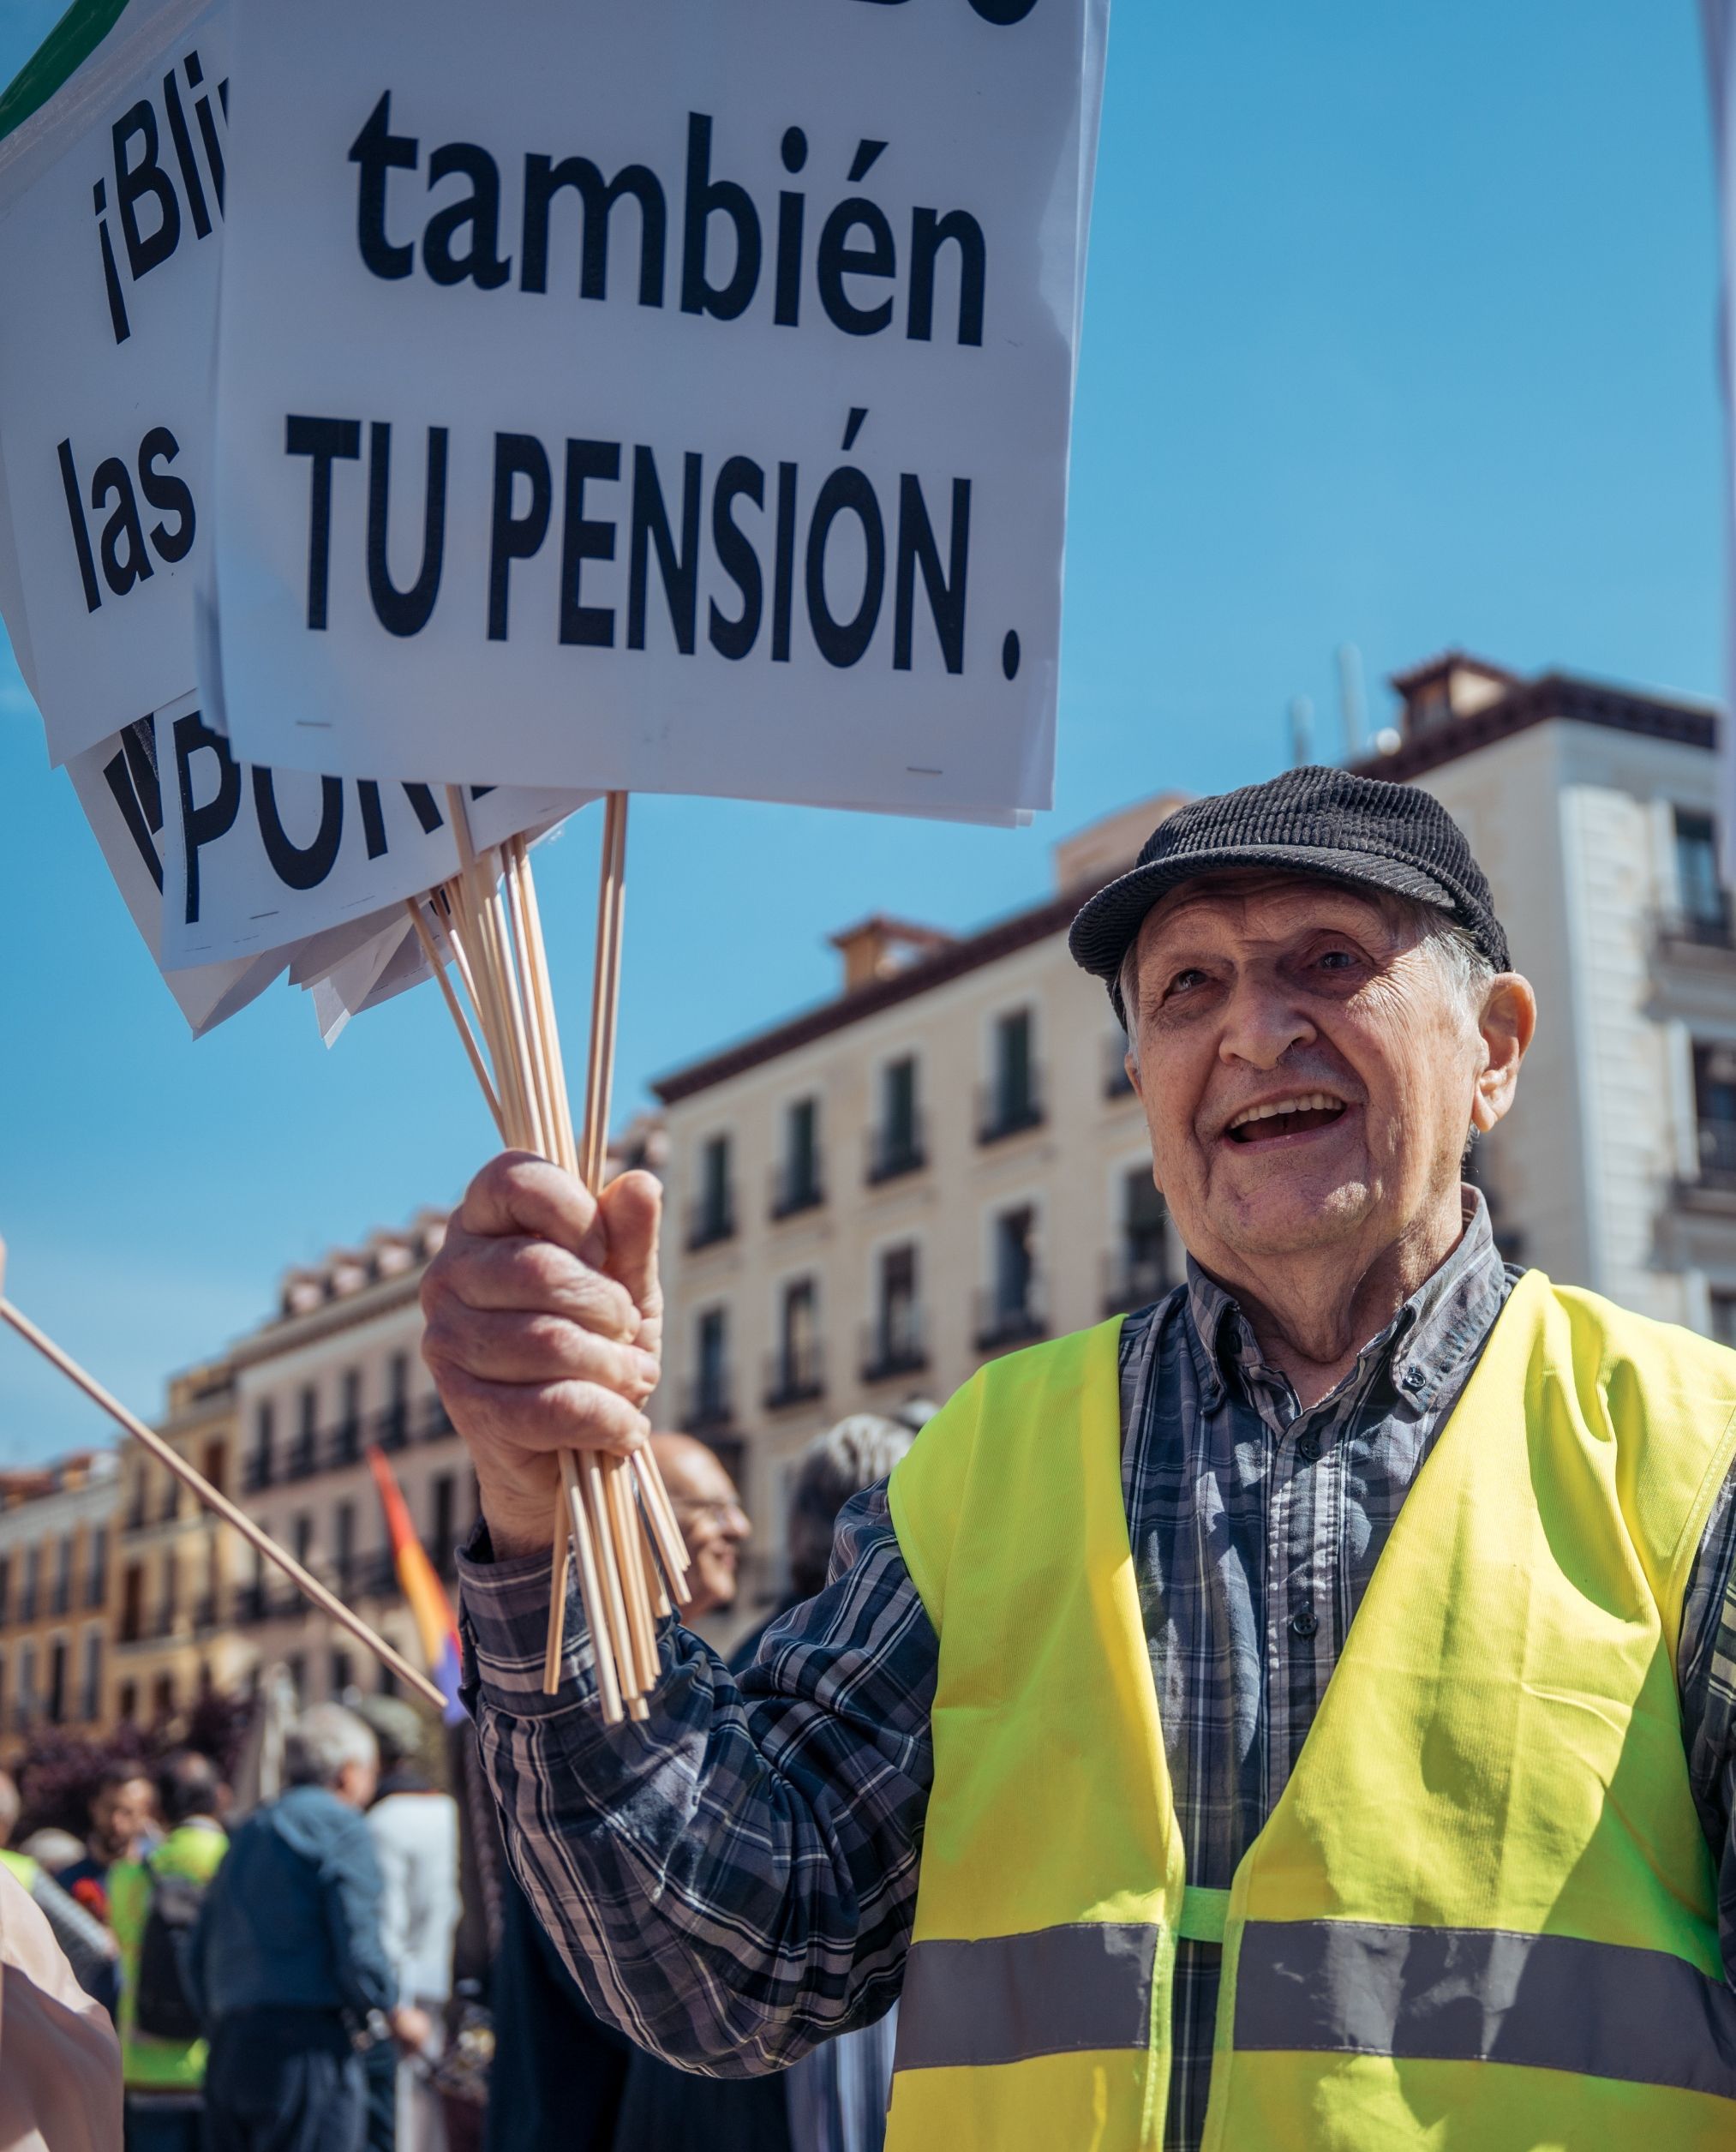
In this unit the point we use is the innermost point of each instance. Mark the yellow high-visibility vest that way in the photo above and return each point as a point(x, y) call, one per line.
point(1482, 1917)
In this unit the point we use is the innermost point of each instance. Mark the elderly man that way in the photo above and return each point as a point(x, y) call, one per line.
point(287, 1966)
point(1337, 1654)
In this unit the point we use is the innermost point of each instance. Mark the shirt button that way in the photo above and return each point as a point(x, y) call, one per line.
point(1308, 1448)
point(1302, 1622)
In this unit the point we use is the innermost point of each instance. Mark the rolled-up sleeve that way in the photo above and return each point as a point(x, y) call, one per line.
point(733, 1880)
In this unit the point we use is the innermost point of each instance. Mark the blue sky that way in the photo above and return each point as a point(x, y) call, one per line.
point(1400, 329)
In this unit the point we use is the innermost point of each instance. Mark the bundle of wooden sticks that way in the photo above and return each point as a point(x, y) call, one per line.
point(613, 1515)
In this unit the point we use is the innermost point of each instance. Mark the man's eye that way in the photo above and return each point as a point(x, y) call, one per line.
point(1184, 980)
point(1337, 959)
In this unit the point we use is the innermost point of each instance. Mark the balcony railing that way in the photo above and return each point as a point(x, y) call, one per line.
point(796, 1185)
point(344, 1444)
point(392, 1426)
point(28, 1604)
point(163, 1621)
point(711, 1219)
point(893, 1346)
point(894, 1152)
point(794, 1376)
point(1137, 1273)
point(304, 1456)
point(60, 1599)
point(1005, 1109)
point(708, 1405)
point(257, 1471)
point(1699, 930)
point(1004, 1320)
point(205, 1613)
point(1718, 1153)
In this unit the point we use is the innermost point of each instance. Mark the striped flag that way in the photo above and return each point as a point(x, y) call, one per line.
point(418, 1580)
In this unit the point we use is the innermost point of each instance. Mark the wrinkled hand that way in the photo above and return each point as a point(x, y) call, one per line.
point(544, 1327)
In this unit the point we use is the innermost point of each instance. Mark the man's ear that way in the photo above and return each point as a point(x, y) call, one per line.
point(1508, 1020)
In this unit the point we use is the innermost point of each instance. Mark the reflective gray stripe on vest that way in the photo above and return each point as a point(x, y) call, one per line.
point(1057, 1991)
point(1550, 2002)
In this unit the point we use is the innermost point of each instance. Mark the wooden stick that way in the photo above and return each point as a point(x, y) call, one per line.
point(577, 1524)
point(170, 1458)
point(469, 1037)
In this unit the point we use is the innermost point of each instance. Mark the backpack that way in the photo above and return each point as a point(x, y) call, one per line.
point(161, 2007)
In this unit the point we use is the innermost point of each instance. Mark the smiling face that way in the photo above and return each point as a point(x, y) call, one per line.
point(1310, 1068)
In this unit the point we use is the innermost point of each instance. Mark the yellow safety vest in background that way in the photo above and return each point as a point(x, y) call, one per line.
point(1482, 1917)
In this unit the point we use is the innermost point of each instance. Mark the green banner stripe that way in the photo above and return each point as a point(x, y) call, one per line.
point(66, 48)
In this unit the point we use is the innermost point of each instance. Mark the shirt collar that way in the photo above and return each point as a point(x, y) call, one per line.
point(1424, 1344)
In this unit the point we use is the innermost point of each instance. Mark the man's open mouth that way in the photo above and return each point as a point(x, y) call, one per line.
point(1297, 1116)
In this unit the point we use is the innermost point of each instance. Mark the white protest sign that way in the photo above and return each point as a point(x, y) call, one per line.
point(117, 786)
point(255, 857)
point(233, 875)
point(685, 385)
point(111, 202)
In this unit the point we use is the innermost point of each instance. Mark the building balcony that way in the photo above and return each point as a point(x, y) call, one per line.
point(304, 1457)
point(163, 1621)
point(710, 1220)
point(28, 1606)
point(1137, 1273)
point(895, 1152)
point(796, 1187)
point(1677, 931)
point(794, 1377)
point(893, 1346)
point(60, 1599)
point(344, 1445)
point(257, 1472)
point(1004, 1320)
point(205, 1614)
point(392, 1426)
point(708, 1406)
point(1009, 1109)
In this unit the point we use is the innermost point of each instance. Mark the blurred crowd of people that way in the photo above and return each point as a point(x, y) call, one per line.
point(294, 1980)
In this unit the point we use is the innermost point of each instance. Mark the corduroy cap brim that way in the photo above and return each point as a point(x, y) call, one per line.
point(1329, 823)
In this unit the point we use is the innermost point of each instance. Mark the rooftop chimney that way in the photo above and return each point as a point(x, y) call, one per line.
point(1451, 686)
point(879, 947)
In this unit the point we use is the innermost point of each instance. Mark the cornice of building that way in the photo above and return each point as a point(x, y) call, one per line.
point(1534, 702)
point(291, 1334)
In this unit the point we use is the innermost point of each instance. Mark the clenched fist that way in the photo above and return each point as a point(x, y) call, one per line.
point(544, 1326)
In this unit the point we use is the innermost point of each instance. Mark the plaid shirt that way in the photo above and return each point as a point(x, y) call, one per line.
point(735, 1881)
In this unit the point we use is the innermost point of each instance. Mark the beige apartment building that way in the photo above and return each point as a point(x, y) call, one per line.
point(944, 1161)
point(172, 1609)
point(282, 1423)
point(1594, 810)
point(338, 1368)
point(56, 1528)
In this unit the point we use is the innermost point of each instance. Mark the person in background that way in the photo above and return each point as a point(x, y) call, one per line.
point(154, 1904)
point(287, 1968)
point(88, 1947)
point(664, 2109)
point(60, 2064)
point(714, 1524)
point(836, 2094)
point(123, 1826)
point(415, 1829)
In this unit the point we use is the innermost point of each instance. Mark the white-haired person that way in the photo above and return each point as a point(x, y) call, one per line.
point(287, 1965)
point(1298, 1717)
